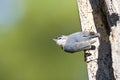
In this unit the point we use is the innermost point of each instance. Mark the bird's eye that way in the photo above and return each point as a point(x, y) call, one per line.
point(59, 37)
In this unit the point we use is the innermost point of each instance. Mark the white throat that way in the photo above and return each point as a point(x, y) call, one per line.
point(62, 42)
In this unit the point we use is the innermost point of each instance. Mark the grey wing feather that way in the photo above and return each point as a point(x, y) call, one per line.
point(91, 34)
point(78, 46)
point(84, 45)
point(78, 36)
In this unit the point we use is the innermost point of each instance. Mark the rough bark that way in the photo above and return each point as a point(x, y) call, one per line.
point(112, 11)
point(102, 16)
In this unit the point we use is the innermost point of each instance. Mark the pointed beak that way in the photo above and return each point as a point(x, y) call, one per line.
point(53, 39)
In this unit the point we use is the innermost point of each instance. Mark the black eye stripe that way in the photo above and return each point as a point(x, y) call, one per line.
point(59, 38)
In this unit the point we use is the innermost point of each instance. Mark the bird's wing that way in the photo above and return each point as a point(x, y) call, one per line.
point(85, 33)
point(82, 45)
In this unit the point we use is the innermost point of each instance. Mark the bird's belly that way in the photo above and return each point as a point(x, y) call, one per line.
point(70, 49)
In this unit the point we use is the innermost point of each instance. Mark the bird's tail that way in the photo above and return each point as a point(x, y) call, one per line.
point(95, 35)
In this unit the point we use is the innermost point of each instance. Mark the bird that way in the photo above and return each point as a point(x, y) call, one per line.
point(77, 41)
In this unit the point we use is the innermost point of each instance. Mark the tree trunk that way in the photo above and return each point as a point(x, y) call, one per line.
point(102, 16)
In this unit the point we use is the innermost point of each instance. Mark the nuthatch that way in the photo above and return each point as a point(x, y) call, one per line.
point(76, 42)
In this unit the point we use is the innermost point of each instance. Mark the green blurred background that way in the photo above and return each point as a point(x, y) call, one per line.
point(26, 49)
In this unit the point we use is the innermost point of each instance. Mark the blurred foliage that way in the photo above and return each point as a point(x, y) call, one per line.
point(27, 51)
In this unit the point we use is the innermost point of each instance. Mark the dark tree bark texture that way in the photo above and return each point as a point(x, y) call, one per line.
point(102, 16)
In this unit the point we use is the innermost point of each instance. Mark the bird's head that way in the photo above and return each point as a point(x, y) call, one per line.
point(60, 40)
